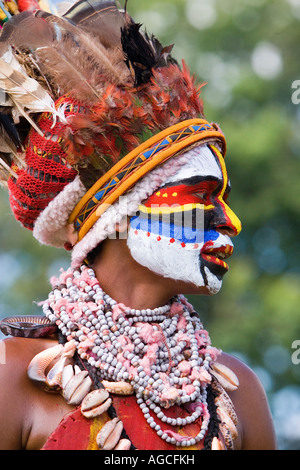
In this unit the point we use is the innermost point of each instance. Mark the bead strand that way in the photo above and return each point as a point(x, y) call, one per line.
point(156, 351)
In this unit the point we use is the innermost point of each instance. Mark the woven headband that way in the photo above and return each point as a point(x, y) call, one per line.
point(122, 176)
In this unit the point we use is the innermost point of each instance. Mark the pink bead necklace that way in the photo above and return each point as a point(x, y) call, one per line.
point(163, 353)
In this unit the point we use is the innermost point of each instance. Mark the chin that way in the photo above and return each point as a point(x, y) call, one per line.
point(214, 284)
point(212, 275)
point(211, 287)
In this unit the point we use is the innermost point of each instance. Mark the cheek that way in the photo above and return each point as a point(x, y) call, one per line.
point(179, 259)
point(166, 256)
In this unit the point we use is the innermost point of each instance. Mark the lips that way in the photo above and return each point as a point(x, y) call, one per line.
point(216, 255)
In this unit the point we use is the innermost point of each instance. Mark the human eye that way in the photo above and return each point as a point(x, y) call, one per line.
point(203, 191)
point(202, 195)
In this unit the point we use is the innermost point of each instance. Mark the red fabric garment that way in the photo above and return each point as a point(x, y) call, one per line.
point(75, 432)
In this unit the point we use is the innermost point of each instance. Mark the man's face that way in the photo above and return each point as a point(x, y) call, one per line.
point(183, 230)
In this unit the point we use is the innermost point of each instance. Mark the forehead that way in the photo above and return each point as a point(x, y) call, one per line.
point(202, 162)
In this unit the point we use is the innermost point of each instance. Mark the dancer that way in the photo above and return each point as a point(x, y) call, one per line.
point(106, 153)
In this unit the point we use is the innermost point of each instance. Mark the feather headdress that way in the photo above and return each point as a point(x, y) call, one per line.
point(77, 93)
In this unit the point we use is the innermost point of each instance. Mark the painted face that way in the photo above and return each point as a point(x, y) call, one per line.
point(183, 230)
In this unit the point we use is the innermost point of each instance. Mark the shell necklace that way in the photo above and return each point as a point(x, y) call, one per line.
point(163, 354)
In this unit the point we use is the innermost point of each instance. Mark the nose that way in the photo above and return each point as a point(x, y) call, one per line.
point(226, 221)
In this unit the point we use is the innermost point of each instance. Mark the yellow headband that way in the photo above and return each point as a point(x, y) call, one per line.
point(136, 165)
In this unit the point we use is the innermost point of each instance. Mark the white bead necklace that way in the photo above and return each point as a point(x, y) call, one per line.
point(163, 353)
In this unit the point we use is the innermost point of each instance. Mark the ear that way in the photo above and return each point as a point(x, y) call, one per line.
point(72, 237)
point(122, 226)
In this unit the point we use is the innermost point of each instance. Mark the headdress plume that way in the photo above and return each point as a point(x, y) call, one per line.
point(80, 91)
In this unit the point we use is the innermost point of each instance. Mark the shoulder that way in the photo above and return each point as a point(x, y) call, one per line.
point(15, 390)
point(255, 420)
point(240, 368)
point(15, 356)
point(18, 352)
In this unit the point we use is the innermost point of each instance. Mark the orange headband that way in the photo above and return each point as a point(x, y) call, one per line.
point(136, 165)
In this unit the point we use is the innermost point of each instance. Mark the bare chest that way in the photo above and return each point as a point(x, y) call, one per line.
point(44, 415)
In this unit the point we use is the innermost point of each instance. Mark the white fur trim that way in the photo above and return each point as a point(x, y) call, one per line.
point(50, 226)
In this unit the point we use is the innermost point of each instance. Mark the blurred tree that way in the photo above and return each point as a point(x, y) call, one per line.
point(247, 52)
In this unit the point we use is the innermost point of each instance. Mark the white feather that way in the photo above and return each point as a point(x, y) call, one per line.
point(25, 92)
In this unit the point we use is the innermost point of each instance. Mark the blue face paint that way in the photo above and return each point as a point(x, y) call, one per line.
point(184, 227)
point(211, 235)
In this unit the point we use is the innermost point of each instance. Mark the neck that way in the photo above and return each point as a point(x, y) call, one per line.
point(128, 282)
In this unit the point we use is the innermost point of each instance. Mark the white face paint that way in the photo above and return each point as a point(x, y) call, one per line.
point(201, 163)
point(175, 233)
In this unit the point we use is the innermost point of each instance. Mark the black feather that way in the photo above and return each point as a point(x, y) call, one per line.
point(143, 53)
point(7, 124)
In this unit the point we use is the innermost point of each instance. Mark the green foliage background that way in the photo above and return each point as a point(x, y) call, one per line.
point(247, 52)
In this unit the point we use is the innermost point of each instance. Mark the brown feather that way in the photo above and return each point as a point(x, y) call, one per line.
point(100, 18)
point(81, 67)
point(65, 54)
point(25, 30)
